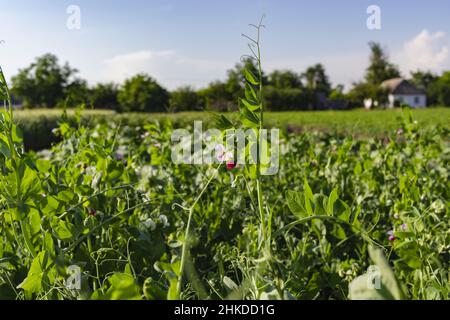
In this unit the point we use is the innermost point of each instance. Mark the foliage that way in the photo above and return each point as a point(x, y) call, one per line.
point(184, 99)
point(143, 94)
point(45, 83)
point(380, 68)
point(426, 81)
point(109, 200)
point(104, 96)
point(442, 89)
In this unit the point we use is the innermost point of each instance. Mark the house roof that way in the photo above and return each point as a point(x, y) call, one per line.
point(400, 86)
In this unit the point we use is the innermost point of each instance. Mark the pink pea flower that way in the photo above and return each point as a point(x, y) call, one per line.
point(404, 227)
point(391, 235)
point(231, 165)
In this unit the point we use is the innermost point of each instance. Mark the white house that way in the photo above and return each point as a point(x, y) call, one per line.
point(401, 91)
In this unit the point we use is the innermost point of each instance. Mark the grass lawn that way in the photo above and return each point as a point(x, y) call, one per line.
point(359, 121)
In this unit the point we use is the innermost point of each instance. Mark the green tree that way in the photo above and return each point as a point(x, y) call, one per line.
point(317, 84)
point(380, 68)
point(364, 90)
point(142, 93)
point(442, 89)
point(277, 99)
point(184, 99)
point(426, 81)
point(76, 93)
point(45, 83)
point(104, 96)
point(285, 79)
point(216, 97)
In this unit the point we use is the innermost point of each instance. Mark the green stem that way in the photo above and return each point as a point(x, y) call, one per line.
point(184, 249)
point(260, 127)
point(261, 209)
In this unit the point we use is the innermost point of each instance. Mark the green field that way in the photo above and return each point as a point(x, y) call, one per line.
point(110, 200)
point(355, 122)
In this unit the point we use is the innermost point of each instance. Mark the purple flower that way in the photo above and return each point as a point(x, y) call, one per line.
point(119, 156)
point(391, 235)
point(404, 227)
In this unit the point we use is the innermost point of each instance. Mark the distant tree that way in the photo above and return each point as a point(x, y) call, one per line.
point(104, 96)
point(363, 90)
point(426, 81)
point(184, 99)
point(76, 93)
point(316, 79)
point(278, 99)
point(380, 68)
point(317, 84)
point(45, 83)
point(442, 89)
point(216, 97)
point(283, 79)
point(142, 93)
point(337, 93)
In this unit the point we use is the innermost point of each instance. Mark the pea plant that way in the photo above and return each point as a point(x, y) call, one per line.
point(107, 207)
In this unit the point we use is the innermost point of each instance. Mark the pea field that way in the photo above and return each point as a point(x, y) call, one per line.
point(105, 213)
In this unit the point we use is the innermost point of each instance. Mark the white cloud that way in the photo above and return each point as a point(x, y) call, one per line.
point(426, 51)
point(168, 67)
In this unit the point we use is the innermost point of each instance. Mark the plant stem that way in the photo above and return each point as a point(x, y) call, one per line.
point(260, 127)
point(184, 249)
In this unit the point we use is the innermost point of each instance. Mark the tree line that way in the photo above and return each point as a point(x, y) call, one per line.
point(46, 83)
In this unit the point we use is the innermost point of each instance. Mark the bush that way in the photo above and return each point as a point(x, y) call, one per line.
point(104, 96)
point(285, 99)
point(184, 99)
point(143, 94)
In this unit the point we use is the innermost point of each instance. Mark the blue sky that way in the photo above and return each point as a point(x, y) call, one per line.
point(196, 41)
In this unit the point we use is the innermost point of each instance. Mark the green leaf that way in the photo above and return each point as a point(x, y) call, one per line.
point(344, 211)
point(250, 93)
point(377, 284)
point(251, 105)
point(331, 200)
point(222, 122)
point(173, 293)
point(250, 77)
point(4, 149)
point(295, 202)
point(33, 282)
point(123, 287)
point(153, 290)
point(66, 196)
point(64, 230)
point(249, 118)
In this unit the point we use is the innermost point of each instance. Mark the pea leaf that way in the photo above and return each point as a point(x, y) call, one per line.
point(295, 202)
point(251, 105)
point(379, 283)
point(250, 77)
